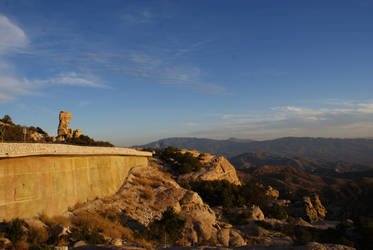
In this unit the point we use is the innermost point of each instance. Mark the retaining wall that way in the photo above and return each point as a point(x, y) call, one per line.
point(38, 182)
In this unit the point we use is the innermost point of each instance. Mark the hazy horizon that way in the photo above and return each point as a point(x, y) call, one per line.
point(132, 72)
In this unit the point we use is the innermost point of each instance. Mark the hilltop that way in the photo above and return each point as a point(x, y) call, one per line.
point(12, 132)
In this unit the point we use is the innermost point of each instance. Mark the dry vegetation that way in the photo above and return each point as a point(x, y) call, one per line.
point(94, 222)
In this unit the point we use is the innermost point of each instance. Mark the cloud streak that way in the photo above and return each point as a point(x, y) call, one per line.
point(347, 119)
point(138, 16)
point(12, 37)
point(13, 40)
point(164, 71)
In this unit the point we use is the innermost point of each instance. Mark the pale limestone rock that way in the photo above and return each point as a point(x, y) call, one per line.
point(63, 126)
point(77, 133)
point(195, 153)
point(321, 210)
point(70, 133)
point(256, 213)
point(163, 191)
point(314, 210)
point(35, 136)
point(216, 168)
point(61, 248)
point(80, 243)
point(5, 243)
point(36, 223)
point(205, 157)
point(311, 209)
point(272, 193)
point(235, 239)
point(223, 237)
point(116, 242)
point(303, 223)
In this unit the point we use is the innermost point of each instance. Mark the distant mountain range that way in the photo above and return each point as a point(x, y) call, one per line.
point(358, 151)
point(310, 165)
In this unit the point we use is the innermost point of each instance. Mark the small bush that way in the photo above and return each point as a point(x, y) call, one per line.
point(364, 230)
point(179, 162)
point(91, 237)
point(55, 220)
point(228, 195)
point(7, 119)
point(85, 140)
point(277, 212)
point(15, 231)
point(90, 224)
point(303, 236)
point(169, 228)
point(37, 236)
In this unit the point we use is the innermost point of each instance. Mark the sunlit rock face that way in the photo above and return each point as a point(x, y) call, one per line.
point(215, 168)
point(63, 131)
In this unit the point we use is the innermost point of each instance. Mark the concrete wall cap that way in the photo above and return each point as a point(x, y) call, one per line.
point(8, 150)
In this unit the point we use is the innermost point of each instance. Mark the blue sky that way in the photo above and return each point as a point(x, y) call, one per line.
point(135, 71)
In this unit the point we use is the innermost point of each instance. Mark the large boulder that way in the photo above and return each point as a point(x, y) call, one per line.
point(215, 168)
point(272, 193)
point(310, 208)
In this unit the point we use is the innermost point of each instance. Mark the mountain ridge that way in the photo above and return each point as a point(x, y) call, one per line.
point(358, 150)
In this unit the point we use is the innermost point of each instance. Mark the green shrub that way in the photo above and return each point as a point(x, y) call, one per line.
point(364, 230)
point(228, 195)
point(85, 140)
point(7, 119)
point(91, 237)
point(303, 236)
point(169, 228)
point(277, 212)
point(179, 162)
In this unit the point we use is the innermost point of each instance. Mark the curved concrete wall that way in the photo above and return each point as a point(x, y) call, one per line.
point(33, 185)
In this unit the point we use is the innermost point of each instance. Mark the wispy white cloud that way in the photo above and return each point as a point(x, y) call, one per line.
point(70, 79)
point(163, 70)
point(345, 119)
point(12, 37)
point(13, 40)
point(138, 16)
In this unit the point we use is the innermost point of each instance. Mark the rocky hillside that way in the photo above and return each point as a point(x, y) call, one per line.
point(346, 195)
point(184, 198)
point(11, 132)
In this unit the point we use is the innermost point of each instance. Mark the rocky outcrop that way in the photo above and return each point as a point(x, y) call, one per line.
point(272, 193)
point(35, 136)
point(147, 192)
point(64, 132)
point(310, 208)
point(214, 168)
point(320, 246)
point(63, 127)
point(77, 133)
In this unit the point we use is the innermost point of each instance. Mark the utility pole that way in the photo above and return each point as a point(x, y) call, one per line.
point(24, 134)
